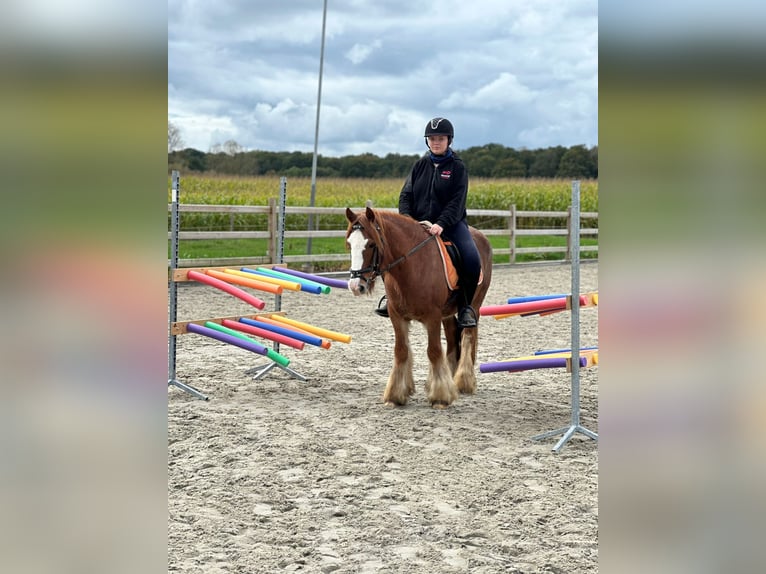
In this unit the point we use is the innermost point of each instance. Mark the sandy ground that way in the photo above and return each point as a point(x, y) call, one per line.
point(281, 475)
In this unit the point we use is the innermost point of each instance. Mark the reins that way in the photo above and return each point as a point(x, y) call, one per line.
point(406, 255)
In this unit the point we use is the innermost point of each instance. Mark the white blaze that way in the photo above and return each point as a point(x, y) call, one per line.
point(357, 243)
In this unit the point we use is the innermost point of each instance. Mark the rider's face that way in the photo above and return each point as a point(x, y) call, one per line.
point(438, 144)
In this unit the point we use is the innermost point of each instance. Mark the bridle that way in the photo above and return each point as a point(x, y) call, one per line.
point(374, 268)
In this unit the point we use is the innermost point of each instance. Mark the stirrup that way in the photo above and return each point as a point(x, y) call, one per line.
point(466, 318)
point(382, 309)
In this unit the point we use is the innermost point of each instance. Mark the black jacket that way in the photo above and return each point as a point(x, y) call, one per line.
point(436, 192)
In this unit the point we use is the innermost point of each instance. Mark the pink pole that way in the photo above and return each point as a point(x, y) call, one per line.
point(290, 342)
point(230, 289)
point(530, 307)
point(527, 307)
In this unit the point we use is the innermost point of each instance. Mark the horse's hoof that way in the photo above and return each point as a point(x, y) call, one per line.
point(392, 404)
point(439, 405)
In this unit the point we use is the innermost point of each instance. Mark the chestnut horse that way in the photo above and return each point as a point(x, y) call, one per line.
point(400, 251)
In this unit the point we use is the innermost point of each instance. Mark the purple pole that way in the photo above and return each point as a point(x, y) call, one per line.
point(226, 338)
point(329, 281)
point(305, 337)
point(527, 364)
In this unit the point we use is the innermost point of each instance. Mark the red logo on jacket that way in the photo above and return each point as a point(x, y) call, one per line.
point(446, 174)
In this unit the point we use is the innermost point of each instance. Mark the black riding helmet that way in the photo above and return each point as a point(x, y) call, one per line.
point(440, 126)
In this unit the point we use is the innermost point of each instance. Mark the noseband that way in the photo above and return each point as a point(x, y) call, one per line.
point(374, 268)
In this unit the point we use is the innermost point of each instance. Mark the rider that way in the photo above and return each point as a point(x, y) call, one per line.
point(436, 191)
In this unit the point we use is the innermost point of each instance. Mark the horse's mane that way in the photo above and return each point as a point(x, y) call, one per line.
point(399, 229)
point(385, 218)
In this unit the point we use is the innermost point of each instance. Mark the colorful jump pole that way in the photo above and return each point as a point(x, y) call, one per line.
point(512, 300)
point(270, 353)
point(290, 285)
point(303, 337)
point(244, 281)
point(550, 351)
point(324, 343)
point(307, 282)
point(230, 289)
point(313, 329)
point(532, 307)
point(266, 334)
point(526, 307)
point(226, 338)
point(330, 282)
point(307, 286)
point(528, 364)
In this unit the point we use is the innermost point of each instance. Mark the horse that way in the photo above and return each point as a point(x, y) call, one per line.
point(399, 250)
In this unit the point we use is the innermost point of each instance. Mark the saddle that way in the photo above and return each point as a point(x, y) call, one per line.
point(450, 257)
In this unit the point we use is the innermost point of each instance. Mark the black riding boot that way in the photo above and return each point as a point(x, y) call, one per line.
point(382, 309)
point(466, 317)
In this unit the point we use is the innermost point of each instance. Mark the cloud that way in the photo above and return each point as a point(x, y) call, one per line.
point(359, 52)
point(504, 91)
point(531, 68)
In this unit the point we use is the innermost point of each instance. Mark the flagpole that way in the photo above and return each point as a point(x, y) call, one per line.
point(312, 199)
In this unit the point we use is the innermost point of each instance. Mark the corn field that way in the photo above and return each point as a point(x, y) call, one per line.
point(527, 195)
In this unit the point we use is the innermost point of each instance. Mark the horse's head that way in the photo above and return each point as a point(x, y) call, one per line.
point(365, 243)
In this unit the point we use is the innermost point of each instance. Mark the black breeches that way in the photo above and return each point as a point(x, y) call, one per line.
point(470, 266)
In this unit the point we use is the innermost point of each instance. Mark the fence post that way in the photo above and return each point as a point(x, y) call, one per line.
point(273, 231)
point(512, 234)
point(368, 203)
point(568, 256)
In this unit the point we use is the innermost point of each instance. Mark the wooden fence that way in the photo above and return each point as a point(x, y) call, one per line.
point(511, 229)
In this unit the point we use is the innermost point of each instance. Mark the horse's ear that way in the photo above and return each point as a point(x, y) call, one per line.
point(370, 214)
point(351, 216)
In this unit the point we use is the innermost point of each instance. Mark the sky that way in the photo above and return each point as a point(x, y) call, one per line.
point(523, 74)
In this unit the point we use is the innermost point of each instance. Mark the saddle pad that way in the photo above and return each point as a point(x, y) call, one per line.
point(450, 272)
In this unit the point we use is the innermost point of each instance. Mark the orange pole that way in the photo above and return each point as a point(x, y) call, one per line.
point(316, 330)
point(229, 278)
point(271, 320)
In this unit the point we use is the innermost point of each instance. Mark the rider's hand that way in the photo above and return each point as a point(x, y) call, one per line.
point(436, 229)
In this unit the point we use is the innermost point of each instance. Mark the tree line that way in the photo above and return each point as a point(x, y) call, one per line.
point(490, 160)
